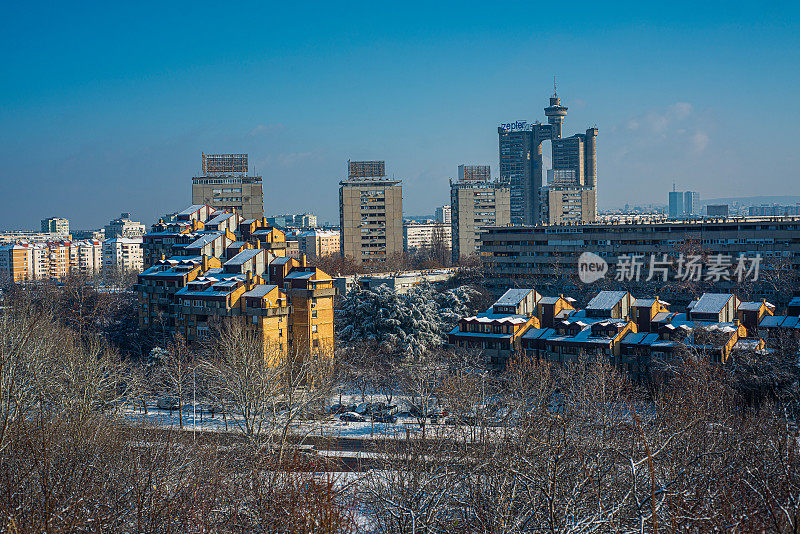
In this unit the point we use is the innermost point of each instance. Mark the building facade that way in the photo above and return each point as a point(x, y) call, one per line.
point(225, 185)
point(122, 254)
point(418, 236)
point(317, 243)
point(520, 145)
point(370, 213)
point(533, 256)
point(124, 227)
point(474, 206)
point(55, 225)
point(444, 214)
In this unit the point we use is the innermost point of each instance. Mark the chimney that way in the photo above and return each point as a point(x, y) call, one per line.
point(258, 243)
point(250, 283)
point(302, 260)
point(205, 263)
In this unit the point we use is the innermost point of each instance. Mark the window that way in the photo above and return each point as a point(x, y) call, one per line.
point(255, 319)
point(314, 328)
point(313, 314)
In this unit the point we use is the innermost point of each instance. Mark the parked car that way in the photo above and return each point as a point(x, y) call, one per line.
point(384, 417)
point(341, 408)
point(352, 417)
point(168, 403)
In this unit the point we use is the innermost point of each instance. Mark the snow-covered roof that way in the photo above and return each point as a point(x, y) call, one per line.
point(497, 317)
point(646, 303)
point(512, 297)
point(661, 316)
point(754, 306)
point(711, 302)
point(191, 209)
point(538, 333)
point(281, 260)
point(219, 218)
point(605, 300)
point(771, 321)
point(548, 300)
point(260, 291)
point(244, 256)
point(204, 240)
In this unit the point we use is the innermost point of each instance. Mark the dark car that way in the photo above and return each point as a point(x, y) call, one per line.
point(384, 417)
point(352, 417)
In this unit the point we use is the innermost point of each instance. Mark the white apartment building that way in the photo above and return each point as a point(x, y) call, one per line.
point(419, 236)
point(123, 254)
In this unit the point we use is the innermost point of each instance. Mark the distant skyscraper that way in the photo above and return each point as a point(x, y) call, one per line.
point(520, 146)
point(226, 185)
point(676, 210)
point(691, 203)
point(443, 214)
point(684, 204)
point(370, 213)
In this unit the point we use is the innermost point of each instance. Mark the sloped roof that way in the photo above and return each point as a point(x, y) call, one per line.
point(711, 302)
point(244, 256)
point(512, 297)
point(605, 300)
point(754, 306)
point(260, 291)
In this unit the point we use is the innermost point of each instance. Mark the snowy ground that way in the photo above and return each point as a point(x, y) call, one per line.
point(331, 426)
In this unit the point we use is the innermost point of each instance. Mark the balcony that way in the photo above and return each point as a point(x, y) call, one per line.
point(268, 312)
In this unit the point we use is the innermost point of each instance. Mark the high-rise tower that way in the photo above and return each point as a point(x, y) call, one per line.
point(574, 157)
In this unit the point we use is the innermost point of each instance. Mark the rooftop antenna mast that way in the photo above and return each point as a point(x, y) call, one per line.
point(555, 91)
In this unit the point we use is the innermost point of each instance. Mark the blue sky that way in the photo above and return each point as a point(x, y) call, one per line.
point(107, 107)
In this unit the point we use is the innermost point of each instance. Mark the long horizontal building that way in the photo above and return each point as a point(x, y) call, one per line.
point(528, 256)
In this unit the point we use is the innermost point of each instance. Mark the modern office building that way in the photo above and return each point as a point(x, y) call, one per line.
point(684, 204)
point(475, 205)
point(225, 184)
point(55, 225)
point(444, 214)
point(520, 146)
point(124, 227)
point(370, 213)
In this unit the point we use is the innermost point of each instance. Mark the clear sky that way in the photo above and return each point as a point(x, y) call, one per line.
point(107, 107)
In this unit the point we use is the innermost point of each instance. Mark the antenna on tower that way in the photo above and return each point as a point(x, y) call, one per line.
point(555, 91)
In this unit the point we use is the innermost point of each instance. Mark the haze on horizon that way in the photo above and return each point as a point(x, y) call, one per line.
point(107, 108)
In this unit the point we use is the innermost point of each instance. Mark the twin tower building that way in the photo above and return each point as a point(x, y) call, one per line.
point(371, 204)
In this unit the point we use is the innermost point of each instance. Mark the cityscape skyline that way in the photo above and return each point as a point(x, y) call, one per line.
point(85, 138)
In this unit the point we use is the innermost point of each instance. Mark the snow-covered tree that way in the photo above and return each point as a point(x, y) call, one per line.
point(409, 323)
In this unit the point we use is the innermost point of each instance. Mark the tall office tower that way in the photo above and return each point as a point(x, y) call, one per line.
point(370, 213)
point(676, 204)
point(225, 184)
point(475, 205)
point(521, 160)
point(474, 173)
point(55, 225)
point(691, 203)
point(684, 204)
point(444, 214)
